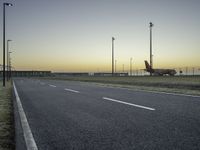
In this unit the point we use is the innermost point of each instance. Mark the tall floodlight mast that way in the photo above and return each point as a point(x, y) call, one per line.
point(4, 33)
point(8, 59)
point(151, 55)
point(131, 60)
point(113, 56)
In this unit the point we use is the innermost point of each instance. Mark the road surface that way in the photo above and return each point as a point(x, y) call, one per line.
point(68, 115)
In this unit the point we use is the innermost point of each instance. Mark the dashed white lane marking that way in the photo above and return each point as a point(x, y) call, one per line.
point(126, 103)
point(71, 90)
point(28, 136)
point(52, 85)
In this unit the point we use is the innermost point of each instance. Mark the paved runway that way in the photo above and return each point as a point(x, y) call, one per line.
point(68, 115)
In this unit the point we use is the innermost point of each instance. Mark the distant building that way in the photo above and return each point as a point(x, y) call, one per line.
point(28, 73)
point(110, 74)
point(69, 74)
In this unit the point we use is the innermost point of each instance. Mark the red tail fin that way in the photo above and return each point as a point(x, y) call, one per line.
point(148, 67)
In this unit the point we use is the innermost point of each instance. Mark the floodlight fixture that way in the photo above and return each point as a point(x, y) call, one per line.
point(8, 4)
point(151, 24)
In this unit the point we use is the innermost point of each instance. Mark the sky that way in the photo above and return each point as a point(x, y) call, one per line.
point(75, 35)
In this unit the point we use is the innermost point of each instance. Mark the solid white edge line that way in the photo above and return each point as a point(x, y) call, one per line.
point(28, 136)
point(52, 85)
point(175, 94)
point(135, 105)
point(72, 90)
point(157, 92)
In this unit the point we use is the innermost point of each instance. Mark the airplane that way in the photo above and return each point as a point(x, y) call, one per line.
point(159, 72)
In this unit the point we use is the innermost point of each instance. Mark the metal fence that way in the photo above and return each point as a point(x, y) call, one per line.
point(185, 71)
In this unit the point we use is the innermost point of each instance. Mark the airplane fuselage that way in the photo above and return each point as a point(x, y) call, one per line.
point(162, 72)
point(159, 72)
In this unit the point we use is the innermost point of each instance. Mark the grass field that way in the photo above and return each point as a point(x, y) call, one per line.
point(177, 84)
point(6, 118)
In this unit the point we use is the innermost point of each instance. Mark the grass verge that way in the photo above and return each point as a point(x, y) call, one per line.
point(6, 117)
point(178, 84)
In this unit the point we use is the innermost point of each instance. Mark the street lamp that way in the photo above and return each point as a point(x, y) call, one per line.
point(9, 64)
point(115, 66)
point(131, 59)
point(151, 55)
point(8, 58)
point(4, 23)
point(113, 56)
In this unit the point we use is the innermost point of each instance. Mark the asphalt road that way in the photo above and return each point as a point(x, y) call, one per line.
point(66, 115)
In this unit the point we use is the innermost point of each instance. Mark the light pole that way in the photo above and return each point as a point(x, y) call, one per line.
point(115, 66)
point(9, 73)
point(193, 69)
point(113, 56)
point(151, 55)
point(131, 59)
point(4, 5)
point(8, 58)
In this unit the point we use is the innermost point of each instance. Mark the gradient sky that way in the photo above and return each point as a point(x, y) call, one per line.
point(75, 35)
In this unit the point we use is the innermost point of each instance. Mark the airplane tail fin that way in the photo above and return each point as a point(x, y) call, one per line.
point(148, 67)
